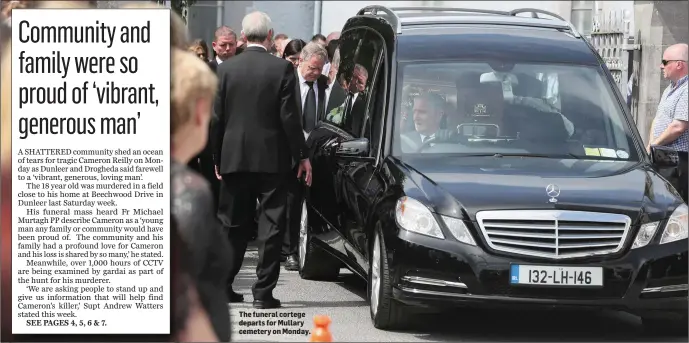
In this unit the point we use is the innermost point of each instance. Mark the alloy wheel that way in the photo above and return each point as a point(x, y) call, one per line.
point(303, 232)
point(375, 275)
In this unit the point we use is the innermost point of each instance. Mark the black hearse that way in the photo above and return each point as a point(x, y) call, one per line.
point(487, 158)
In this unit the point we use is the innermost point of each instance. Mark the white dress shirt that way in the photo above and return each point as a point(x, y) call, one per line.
point(423, 138)
point(258, 45)
point(304, 88)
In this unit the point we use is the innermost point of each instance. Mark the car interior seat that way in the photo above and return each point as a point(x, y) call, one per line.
point(484, 105)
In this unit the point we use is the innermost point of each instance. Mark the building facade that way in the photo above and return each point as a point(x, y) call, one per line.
point(295, 18)
point(303, 19)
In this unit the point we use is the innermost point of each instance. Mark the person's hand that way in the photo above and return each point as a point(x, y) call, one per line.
point(217, 174)
point(305, 168)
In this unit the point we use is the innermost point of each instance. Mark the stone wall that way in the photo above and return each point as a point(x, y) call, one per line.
point(659, 24)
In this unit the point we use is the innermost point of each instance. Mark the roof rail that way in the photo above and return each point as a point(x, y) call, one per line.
point(389, 15)
point(534, 13)
point(448, 9)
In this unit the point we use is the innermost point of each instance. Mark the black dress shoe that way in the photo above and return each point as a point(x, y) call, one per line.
point(234, 296)
point(267, 304)
point(292, 263)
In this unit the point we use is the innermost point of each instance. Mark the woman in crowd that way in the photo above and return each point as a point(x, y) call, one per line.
point(193, 89)
point(292, 51)
point(200, 49)
point(201, 312)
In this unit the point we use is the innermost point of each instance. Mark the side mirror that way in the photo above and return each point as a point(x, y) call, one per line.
point(664, 157)
point(355, 147)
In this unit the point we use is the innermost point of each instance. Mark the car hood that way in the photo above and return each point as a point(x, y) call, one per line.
point(462, 186)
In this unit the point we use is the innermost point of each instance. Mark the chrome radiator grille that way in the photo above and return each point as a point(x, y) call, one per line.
point(554, 234)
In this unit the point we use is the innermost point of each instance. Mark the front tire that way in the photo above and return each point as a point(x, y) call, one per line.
point(314, 263)
point(386, 312)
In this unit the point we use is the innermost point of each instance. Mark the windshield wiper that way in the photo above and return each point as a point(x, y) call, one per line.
point(499, 155)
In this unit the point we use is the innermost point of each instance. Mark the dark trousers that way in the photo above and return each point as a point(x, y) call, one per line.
point(290, 245)
point(237, 212)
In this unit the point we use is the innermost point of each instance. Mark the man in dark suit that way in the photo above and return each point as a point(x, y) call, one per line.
point(260, 139)
point(224, 45)
point(311, 90)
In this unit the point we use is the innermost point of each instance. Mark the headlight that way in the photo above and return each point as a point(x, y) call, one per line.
point(676, 227)
point(645, 235)
point(459, 230)
point(413, 216)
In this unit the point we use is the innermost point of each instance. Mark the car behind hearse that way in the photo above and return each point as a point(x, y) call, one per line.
point(486, 158)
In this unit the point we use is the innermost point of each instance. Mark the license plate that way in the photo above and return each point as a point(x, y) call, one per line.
point(555, 276)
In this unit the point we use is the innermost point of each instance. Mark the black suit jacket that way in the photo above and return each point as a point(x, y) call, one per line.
point(322, 84)
point(337, 97)
point(258, 123)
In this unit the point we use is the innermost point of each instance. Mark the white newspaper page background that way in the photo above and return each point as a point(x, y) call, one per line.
point(90, 179)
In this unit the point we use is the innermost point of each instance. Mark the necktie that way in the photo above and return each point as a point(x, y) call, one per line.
point(350, 97)
point(425, 138)
point(310, 115)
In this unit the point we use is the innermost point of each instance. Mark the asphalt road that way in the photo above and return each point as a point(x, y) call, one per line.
point(345, 302)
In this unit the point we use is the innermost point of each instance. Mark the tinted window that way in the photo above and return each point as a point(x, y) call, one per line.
point(349, 41)
point(360, 50)
point(501, 108)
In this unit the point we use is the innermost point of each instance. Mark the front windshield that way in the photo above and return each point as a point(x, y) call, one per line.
point(477, 108)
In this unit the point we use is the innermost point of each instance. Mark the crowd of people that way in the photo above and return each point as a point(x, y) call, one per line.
point(240, 115)
point(271, 92)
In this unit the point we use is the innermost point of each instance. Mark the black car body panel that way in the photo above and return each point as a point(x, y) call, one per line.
point(586, 185)
point(485, 42)
point(354, 195)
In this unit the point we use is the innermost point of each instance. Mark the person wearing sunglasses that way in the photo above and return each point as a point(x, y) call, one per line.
point(670, 123)
point(670, 126)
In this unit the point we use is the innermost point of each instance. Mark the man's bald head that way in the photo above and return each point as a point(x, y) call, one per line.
point(674, 62)
point(678, 52)
point(331, 36)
